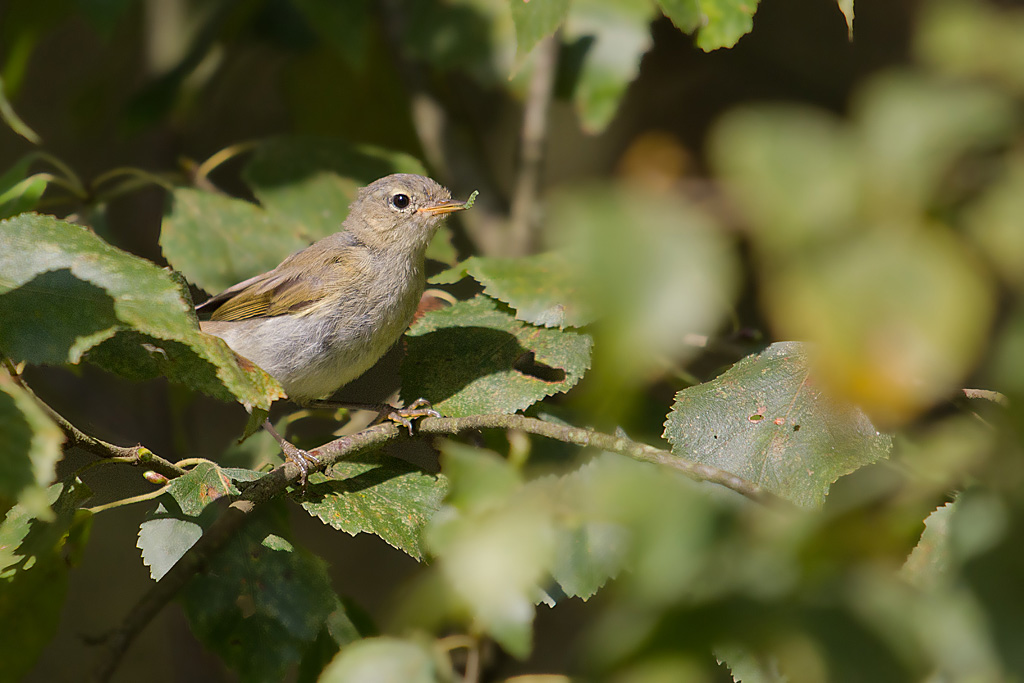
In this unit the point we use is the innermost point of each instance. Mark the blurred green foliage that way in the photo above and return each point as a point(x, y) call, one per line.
point(816, 290)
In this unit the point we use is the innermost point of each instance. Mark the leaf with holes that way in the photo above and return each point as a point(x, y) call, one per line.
point(379, 495)
point(544, 289)
point(766, 420)
point(475, 358)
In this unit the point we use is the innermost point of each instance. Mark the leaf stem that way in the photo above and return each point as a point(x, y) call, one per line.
point(142, 497)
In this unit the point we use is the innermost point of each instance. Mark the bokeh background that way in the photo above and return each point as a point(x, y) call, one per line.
point(164, 85)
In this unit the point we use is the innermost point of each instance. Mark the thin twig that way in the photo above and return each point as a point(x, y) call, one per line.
point(136, 455)
point(532, 143)
point(348, 447)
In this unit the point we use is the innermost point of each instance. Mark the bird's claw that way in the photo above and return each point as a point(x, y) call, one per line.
point(302, 459)
point(414, 411)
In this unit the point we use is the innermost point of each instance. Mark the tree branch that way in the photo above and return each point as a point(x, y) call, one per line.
point(347, 447)
point(134, 455)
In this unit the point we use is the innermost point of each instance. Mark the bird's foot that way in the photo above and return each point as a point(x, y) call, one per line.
point(304, 460)
point(414, 411)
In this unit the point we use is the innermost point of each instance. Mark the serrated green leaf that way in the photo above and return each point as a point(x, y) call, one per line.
point(217, 241)
point(748, 667)
point(717, 23)
point(32, 447)
point(612, 36)
point(65, 292)
point(767, 421)
point(261, 603)
point(379, 495)
point(200, 486)
point(307, 183)
point(685, 14)
point(727, 21)
point(587, 556)
point(474, 357)
point(163, 541)
point(535, 21)
point(178, 522)
point(930, 562)
point(34, 573)
point(383, 660)
point(544, 289)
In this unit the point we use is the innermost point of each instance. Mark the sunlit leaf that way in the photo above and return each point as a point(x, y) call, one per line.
point(609, 37)
point(474, 357)
point(930, 563)
point(769, 421)
point(178, 522)
point(492, 554)
point(216, 241)
point(383, 660)
point(718, 23)
point(543, 289)
point(846, 7)
point(379, 495)
point(65, 292)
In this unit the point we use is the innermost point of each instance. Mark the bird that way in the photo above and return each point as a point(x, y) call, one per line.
point(329, 312)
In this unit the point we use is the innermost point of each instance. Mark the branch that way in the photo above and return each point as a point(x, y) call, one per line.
point(523, 227)
point(134, 455)
point(347, 447)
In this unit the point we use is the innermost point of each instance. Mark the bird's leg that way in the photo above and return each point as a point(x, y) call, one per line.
point(302, 459)
point(385, 411)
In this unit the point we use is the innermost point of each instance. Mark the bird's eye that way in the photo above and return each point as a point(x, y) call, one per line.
point(400, 201)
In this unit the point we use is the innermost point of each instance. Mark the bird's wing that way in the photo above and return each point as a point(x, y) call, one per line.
point(282, 290)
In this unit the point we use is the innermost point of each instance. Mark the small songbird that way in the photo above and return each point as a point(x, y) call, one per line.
point(329, 312)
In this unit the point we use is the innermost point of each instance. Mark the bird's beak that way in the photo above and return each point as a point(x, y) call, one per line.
point(442, 207)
